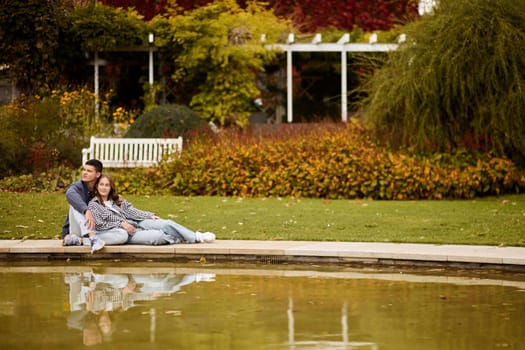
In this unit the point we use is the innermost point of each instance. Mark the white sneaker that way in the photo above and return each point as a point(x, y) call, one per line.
point(96, 244)
point(71, 239)
point(206, 237)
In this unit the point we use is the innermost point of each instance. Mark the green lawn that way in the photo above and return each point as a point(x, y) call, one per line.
point(493, 221)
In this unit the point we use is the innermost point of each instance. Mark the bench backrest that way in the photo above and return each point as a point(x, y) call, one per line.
point(132, 152)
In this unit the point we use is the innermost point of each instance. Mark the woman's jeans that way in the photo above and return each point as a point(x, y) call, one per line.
point(145, 237)
point(176, 233)
point(149, 232)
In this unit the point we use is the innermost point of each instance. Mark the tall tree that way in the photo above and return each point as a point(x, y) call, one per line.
point(100, 28)
point(147, 8)
point(314, 15)
point(30, 32)
point(218, 55)
point(307, 15)
point(459, 80)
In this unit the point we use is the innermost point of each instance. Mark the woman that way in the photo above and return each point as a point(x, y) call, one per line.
point(117, 218)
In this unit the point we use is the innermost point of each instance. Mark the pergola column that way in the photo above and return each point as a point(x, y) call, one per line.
point(343, 46)
point(289, 80)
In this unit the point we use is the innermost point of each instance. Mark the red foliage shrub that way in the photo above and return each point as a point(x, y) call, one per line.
point(308, 15)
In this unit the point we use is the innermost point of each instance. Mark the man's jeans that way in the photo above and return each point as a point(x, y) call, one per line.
point(77, 225)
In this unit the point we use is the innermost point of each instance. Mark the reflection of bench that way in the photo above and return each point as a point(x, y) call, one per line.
point(129, 153)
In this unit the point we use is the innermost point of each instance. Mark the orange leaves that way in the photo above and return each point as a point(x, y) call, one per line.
point(331, 160)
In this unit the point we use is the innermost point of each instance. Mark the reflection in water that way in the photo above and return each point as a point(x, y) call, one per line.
point(236, 307)
point(93, 297)
point(345, 343)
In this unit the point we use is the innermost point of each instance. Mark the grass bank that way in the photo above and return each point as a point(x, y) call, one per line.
point(491, 221)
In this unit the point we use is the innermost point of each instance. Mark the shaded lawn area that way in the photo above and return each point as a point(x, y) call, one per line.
point(490, 221)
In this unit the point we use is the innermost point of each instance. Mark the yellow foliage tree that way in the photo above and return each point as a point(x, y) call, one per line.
point(218, 54)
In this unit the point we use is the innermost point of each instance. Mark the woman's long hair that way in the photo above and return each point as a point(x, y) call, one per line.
point(113, 195)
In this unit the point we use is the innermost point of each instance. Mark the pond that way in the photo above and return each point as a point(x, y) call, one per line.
point(142, 305)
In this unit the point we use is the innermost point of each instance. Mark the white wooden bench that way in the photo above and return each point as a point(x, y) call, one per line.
point(132, 152)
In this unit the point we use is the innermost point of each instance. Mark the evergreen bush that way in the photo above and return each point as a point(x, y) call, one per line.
point(169, 120)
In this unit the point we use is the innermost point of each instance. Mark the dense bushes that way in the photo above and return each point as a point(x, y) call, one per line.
point(43, 132)
point(34, 137)
point(330, 161)
point(55, 179)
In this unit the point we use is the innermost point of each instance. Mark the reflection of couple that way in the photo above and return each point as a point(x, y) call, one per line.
point(99, 216)
point(95, 299)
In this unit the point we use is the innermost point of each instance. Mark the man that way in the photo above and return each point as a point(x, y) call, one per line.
point(79, 222)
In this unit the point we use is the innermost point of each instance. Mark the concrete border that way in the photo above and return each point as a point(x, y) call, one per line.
point(494, 257)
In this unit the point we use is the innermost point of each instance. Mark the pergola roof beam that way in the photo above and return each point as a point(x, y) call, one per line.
point(343, 45)
point(333, 47)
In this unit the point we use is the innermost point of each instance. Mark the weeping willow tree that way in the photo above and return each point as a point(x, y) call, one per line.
point(459, 80)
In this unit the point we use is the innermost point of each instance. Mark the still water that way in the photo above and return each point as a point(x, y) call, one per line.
point(183, 306)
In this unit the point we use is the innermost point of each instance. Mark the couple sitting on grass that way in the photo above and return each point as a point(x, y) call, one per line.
point(99, 216)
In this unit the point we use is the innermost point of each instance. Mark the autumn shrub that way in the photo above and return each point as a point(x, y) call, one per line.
point(54, 179)
point(29, 136)
point(330, 160)
point(43, 132)
point(325, 160)
point(140, 181)
point(9, 143)
point(143, 181)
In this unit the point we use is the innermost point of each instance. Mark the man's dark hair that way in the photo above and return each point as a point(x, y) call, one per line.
point(96, 163)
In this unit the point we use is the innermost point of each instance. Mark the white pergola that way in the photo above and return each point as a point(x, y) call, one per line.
point(97, 62)
point(343, 46)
